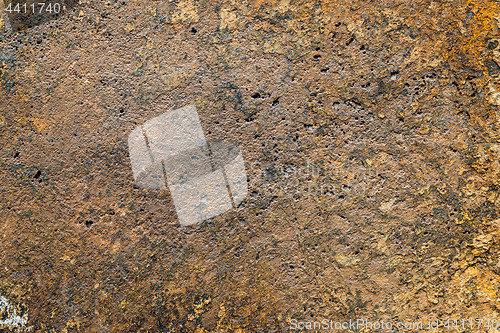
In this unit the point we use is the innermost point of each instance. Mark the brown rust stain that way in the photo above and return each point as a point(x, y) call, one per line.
point(370, 140)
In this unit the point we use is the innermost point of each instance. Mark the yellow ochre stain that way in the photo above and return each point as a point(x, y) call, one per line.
point(40, 124)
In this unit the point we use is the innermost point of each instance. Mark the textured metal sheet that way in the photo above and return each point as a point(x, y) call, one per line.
point(370, 137)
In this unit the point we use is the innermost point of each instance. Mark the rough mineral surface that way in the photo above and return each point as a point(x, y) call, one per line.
point(371, 138)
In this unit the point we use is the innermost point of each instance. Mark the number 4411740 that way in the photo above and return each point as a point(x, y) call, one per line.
point(34, 8)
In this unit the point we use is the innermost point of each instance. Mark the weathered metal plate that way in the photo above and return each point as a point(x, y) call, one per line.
point(369, 133)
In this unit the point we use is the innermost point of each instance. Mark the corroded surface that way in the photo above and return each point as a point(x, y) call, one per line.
point(370, 134)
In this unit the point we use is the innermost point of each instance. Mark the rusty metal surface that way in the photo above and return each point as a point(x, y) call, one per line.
point(370, 137)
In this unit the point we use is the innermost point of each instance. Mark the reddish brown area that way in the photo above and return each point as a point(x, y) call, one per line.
point(370, 139)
